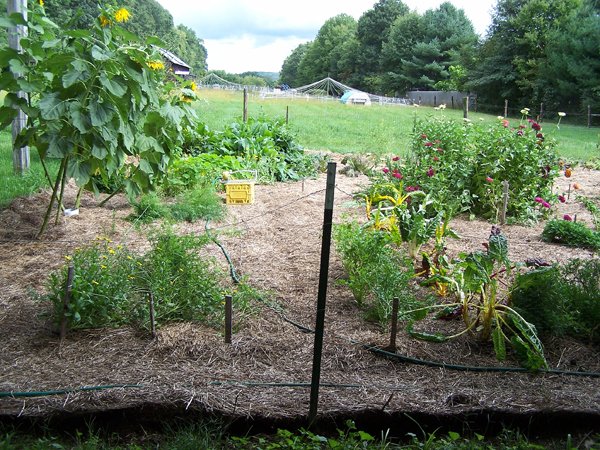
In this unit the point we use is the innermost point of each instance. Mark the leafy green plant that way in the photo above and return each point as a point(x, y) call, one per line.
point(111, 285)
point(593, 208)
point(474, 278)
point(572, 234)
point(464, 164)
point(97, 103)
point(148, 208)
point(199, 203)
point(561, 300)
point(377, 272)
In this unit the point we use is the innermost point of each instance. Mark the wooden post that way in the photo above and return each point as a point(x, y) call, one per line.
point(434, 100)
point(452, 101)
point(541, 116)
point(287, 115)
point(322, 293)
point(589, 116)
point(152, 315)
point(21, 159)
point(245, 114)
point(504, 202)
point(466, 107)
point(394, 330)
point(228, 319)
point(66, 300)
point(505, 108)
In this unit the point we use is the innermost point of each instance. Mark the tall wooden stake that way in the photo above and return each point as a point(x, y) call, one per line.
point(66, 300)
point(466, 107)
point(394, 331)
point(245, 114)
point(21, 160)
point(505, 108)
point(228, 319)
point(504, 202)
point(287, 115)
point(322, 294)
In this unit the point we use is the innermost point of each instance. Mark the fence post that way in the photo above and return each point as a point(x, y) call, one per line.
point(466, 107)
point(505, 108)
point(322, 293)
point(245, 113)
point(287, 115)
point(541, 117)
point(589, 116)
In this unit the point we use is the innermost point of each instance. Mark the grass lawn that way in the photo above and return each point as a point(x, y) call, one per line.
point(330, 125)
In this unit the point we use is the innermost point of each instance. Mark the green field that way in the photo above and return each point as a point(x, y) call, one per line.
point(330, 125)
point(319, 125)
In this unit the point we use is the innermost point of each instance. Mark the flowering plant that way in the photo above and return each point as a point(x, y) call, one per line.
point(97, 102)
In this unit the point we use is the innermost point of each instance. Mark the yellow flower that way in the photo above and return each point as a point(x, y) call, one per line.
point(68, 258)
point(129, 257)
point(95, 282)
point(122, 15)
point(111, 251)
point(102, 266)
point(186, 99)
point(193, 87)
point(156, 65)
point(41, 2)
point(104, 21)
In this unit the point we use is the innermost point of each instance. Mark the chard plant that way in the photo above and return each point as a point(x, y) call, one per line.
point(98, 102)
point(478, 281)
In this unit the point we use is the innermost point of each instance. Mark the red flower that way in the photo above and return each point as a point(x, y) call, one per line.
point(505, 123)
point(489, 179)
point(423, 136)
point(568, 218)
point(538, 200)
point(395, 158)
point(545, 204)
point(397, 175)
point(412, 188)
point(428, 144)
point(430, 172)
point(520, 132)
point(562, 199)
point(536, 126)
point(386, 170)
point(435, 158)
point(539, 136)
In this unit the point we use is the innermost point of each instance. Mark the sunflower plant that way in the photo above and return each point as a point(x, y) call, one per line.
point(97, 101)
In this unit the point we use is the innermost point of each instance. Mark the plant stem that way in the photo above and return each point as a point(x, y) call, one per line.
point(62, 189)
point(59, 176)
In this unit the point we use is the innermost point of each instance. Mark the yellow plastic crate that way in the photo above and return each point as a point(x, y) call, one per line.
point(239, 192)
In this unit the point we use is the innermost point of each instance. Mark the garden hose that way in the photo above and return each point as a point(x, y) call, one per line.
point(66, 391)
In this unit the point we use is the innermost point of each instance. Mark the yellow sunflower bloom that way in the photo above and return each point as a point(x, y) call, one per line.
point(122, 15)
point(156, 65)
point(41, 2)
point(104, 21)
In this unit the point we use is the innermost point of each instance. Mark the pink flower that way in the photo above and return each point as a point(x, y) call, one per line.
point(545, 204)
point(428, 144)
point(430, 172)
point(411, 188)
point(520, 132)
point(568, 218)
point(536, 126)
point(397, 175)
point(539, 136)
point(538, 200)
point(423, 136)
point(395, 158)
point(386, 170)
point(505, 123)
point(489, 179)
point(562, 199)
point(440, 150)
point(435, 158)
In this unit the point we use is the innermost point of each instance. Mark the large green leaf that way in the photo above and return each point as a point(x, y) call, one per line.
point(146, 167)
point(79, 117)
point(100, 113)
point(80, 170)
point(7, 114)
point(100, 54)
point(72, 76)
point(113, 86)
point(99, 152)
point(51, 106)
point(499, 344)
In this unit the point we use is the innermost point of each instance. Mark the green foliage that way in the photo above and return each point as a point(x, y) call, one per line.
point(199, 203)
point(148, 208)
point(98, 102)
point(572, 234)
point(561, 300)
point(464, 164)
point(377, 272)
point(267, 146)
point(593, 208)
point(111, 285)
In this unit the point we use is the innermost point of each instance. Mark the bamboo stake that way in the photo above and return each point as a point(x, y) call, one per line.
point(228, 318)
point(66, 300)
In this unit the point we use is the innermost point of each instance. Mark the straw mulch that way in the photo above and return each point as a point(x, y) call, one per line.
point(266, 371)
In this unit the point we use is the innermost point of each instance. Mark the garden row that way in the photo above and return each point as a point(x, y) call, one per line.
point(504, 172)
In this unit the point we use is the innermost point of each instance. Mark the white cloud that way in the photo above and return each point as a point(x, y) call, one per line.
point(257, 35)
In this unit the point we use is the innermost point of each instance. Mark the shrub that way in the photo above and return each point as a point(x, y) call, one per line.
point(463, 165)
point(573, 234)
point(111, 285)
point(561, 299)
point(377, 272)
point(200, 203)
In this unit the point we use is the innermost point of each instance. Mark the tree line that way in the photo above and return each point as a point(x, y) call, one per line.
point(535, 51)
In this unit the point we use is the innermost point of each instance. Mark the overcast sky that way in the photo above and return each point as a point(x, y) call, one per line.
point(257, 35)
